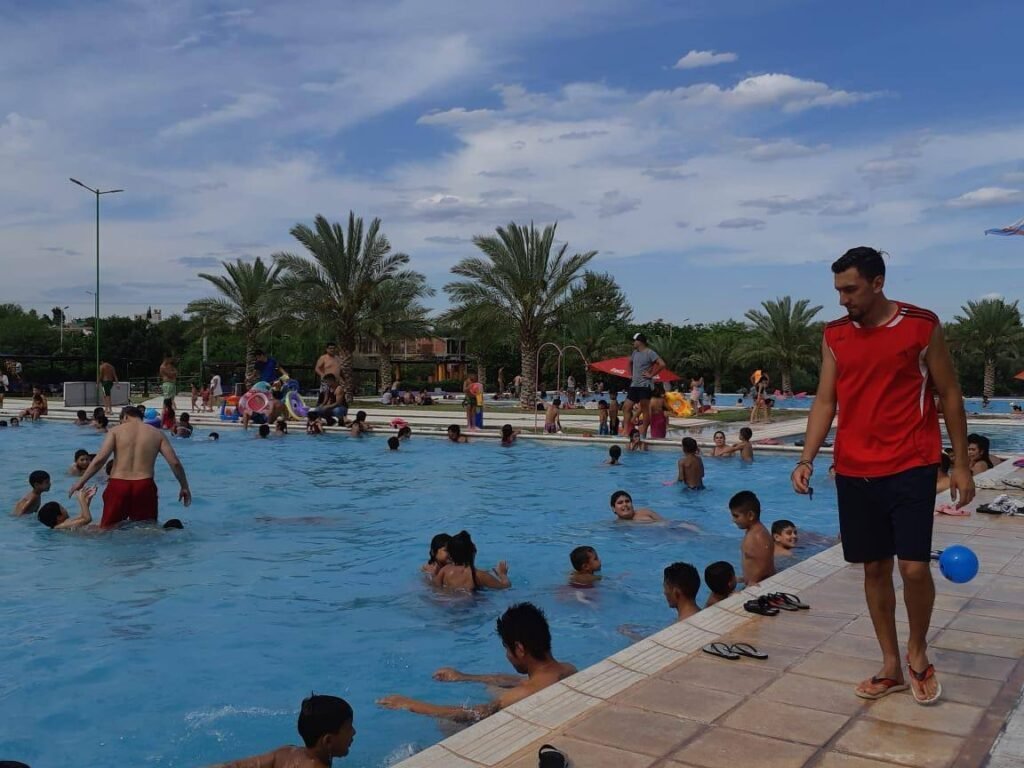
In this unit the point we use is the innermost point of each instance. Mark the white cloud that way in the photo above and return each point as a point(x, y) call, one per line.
point(614, 203)
point(783, 149)
point(792, 94)
point(247, 106)
point(18, 133)
point(1013, 177)
point(741, 223)
point(823, 205)
point(697, 59)
point(987, 197)
point(887, 171)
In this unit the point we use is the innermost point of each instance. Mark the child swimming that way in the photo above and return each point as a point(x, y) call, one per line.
point(461, 572)
point(438, 554)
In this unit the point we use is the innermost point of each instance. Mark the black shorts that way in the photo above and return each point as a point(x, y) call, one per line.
point(882, 517)
point(638, 394)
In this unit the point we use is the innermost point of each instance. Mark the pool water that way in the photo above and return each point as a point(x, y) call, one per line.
point(1004, 439)
point(298, 571)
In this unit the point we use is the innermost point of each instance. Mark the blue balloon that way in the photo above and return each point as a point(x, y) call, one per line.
point(958, 564)
point(151, 414)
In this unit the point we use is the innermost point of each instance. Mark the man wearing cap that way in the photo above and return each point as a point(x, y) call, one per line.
point(645, 364)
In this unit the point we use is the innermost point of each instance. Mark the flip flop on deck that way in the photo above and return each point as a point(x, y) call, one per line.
point(761, 606)
point(549, 757)
point(746, 649)
point(722, 650)
point(921, 677)
point(883, 686)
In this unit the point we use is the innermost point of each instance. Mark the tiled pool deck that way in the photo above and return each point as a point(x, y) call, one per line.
point(662, 702)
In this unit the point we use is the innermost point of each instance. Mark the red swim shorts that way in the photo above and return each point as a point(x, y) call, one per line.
point(128, 500)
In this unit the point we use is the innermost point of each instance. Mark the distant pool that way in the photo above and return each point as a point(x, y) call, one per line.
point(299, 570)
point(1004, 439)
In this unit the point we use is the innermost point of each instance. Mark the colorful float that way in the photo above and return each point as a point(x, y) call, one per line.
point(678, 405)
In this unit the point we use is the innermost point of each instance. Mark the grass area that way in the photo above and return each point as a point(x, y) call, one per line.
point(734, 415)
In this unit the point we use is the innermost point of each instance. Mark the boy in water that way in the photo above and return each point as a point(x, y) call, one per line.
point(636, 443)
point(184, 427)
point(743, 447)
point(681, 584)
point(757, 548)
point(552, 424)
point(622, 506)
point(404, 433)
point(81, 463)
point(393, 443)
point(39, 482)
point(784, 534)
point(81, 420)
point(691, 466)
point(508, 435)
point(526, 636)
point(359, 426)
point(53, 515)
point(325, 725)
point(455, 434)
point(614, 454)
point(264, 432)
point(586, 566)
point(721, 580)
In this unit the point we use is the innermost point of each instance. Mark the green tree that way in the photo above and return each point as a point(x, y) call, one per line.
point(989, 329)
point(246, 304)
point(595, 338)
point(598, 295)
point(395, 314)
point(783, 336)
point(715, 351)
point(337, 285)
point(522, 281)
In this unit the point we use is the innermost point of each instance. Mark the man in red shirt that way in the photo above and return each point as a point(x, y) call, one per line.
point(881, 365)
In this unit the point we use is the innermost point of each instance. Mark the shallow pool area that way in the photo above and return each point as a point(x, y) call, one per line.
point(298, 570)
point(1004, 439)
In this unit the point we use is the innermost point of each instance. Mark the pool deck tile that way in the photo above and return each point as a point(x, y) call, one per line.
point(662, 703)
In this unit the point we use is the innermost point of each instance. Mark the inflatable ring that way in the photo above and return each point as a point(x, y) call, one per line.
point(152, 418)
point(291, 386)
point(260, 386)
point(254, 401)
point(399, 423)
point(678, 404)
point(295, 405)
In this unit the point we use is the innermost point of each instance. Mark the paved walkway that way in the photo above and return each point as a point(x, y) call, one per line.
point(664, 703)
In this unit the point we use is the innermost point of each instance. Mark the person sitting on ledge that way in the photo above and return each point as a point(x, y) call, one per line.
point(327, 730)
point(526, 636)
point(681, 583)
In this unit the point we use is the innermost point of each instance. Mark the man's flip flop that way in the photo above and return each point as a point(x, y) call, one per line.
point(746, 649)
point(889, 685)
point(793, 600)
point(776, 600)
point(721, 649)
point(921, 677)
point(761, 606)
point(549, 757)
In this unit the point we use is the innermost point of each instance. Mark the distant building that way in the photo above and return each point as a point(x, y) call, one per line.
point(447, 355)
point(152, 316)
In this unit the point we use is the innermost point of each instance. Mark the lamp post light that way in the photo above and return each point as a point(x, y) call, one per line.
point(96, 319)
point(62, 320)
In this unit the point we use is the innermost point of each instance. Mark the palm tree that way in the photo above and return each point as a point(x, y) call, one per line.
point(247, 304)
point(991, 329)
point(519, 282)
point(337, 285)
point(782, 335)
point(715, 352)
point(595, 339)
point(671, 347)
point(395, 314)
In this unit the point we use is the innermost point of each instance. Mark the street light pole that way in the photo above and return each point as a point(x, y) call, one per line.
point(62, 320)
point(96, 317)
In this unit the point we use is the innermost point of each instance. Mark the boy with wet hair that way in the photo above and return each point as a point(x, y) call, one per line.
point(264, 431)
point(326, 727)
point(743, 447)
point(622, 506)
point(55, 516)
point(393, 443)
point(81, 419)
point(39, 482)
point(508, 435)
point(614, 454)
point(784, 534)
point(757, 548)
point(586, 566)
point(359, 427)
point(552, 422)
point(691, 467)
point(404, 433)
point(681, 584)
point(721, 580)
point(81, 462)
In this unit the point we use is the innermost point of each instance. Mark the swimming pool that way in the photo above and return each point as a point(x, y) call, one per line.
point(298, 570)
point(1004, 439)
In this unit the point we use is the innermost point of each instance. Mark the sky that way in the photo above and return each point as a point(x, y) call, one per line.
point(715, 154)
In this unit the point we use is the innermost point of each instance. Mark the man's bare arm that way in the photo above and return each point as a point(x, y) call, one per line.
point(177, 468)
point(320, 368)
point(104, 453)
point(269, 760)
point(943, 374)
point(22, 504)
point(84, 513)
point(458, 714)
point(819, 422)
point(451, 675)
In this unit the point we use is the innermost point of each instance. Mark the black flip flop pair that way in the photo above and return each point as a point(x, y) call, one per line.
point(549, 757)
point(771, 604)
point(734, 651)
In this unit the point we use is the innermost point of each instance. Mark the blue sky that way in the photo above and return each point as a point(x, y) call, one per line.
point(715, 154)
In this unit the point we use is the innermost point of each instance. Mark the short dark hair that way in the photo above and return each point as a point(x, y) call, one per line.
point(80, 414)
point(780, 525)
point(746, 433)
point(617, 494)
point(867, 261)
point(175, 524)
point(581, 556)
point(215, 436)
point(360, 415)
point(184, 417)
point(689, 445)
point(506, 430)
point(683, 577)
point(48, 514)
point(393, 443)
point(557, 401)
point(746, 501)
point(406, 430)
point(80, 453)
point(525, 623)
point(322, 715)
point(981, 441)
point(264, 430)
point(615, 451)
point(718, 575)
point(38, 477)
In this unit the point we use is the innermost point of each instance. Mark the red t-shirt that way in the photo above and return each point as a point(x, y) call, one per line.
point(888, 422)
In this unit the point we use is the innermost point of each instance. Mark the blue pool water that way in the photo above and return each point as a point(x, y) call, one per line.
point(1003, 439)
point(299, 571)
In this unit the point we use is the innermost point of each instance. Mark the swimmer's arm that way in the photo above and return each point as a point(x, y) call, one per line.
point(84, 515)
point(106, 449)
point(497, 580)
point(23, 503)
point(653, 515)
point(450, 675)
point(458, 714)
point(269, 760)
point(176, 467)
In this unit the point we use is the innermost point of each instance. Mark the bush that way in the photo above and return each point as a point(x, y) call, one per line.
point(446, 385)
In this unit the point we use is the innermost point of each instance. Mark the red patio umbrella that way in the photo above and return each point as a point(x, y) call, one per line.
point(1020, 376)
point(619, 366)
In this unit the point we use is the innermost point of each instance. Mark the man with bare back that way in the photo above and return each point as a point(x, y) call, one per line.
point(131, 493)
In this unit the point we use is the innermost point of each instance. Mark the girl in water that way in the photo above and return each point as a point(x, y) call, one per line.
point(720, 449)
point(461, 571)
point(438, 554)
point(167, 418)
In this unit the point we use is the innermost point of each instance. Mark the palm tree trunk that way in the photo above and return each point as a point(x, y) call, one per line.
point(385, 367)
point(787, 380)
point(481, 372)
point(589, 379)
point(718, 383)
point(250, 360)
point(528, 391)
point(346, 357)
point(989, 386)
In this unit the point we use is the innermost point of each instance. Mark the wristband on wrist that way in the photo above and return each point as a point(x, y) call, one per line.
point(805, 462)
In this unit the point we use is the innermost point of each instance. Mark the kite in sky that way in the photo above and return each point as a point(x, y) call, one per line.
point(1017, 228)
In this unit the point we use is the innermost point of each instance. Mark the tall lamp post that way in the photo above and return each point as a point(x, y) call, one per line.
point(96, 319)
point(62, 320)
